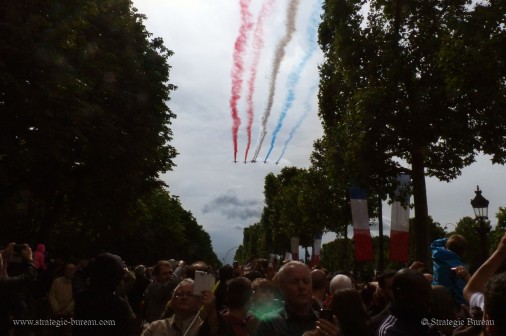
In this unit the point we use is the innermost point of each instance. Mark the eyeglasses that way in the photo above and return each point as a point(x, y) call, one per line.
point(181, 295)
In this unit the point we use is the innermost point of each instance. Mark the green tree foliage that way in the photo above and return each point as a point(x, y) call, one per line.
point(496, 234)
point(84, 134)
point(468, 228)
point(298, 202)
point(339, 256)
point(251, 245)
point(473, 62)
point(84, 125)
point(333, 258)
point(435, 232)
point(393, 88)
point(332, 183)
point(159, 228)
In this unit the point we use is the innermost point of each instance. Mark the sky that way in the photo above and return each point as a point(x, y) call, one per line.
point(225, 197)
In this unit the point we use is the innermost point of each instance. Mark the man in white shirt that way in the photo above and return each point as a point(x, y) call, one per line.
point(61, 298)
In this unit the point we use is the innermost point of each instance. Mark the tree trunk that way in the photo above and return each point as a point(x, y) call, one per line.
point(345, 252)
point(421, 208)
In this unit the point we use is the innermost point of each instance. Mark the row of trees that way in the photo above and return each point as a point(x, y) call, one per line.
point(414, 87)
point(286, 216)
point(85, 132)
point(298, 202)
point(467, 227)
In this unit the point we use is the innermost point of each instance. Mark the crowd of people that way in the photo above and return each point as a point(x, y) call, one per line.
point(103, 296)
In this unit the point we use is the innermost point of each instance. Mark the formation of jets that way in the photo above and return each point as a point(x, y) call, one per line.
point(253, 161)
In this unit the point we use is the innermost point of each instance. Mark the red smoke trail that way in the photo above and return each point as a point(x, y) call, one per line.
point(258, 43)
point(238, 68)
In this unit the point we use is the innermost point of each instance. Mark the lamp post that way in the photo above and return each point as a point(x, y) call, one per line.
point(480, 207)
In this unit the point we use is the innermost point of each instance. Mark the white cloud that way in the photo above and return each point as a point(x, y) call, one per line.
point(202, 35)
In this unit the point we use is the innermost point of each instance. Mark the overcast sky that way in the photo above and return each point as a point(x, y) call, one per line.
point(224, 196)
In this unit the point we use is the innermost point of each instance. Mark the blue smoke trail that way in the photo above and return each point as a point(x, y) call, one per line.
point(294, 76)
point(307, 108)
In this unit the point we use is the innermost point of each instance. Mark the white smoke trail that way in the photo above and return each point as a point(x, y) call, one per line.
point(291, 14)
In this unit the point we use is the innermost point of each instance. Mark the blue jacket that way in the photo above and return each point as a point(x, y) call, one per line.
point(443, 261)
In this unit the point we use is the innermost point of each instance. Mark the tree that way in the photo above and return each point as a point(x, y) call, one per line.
point(467, 227)
point(333, 258)
point(388, 97)
point(435, 232)
point(298, 202)
point(251, 247)
point(496, 234)
point(84, 128)
point(157, 228)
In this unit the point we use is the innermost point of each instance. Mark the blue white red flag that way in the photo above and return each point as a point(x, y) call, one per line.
point(399, 229)
point(360, 220)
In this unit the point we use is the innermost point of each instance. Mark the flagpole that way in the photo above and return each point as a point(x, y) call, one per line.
point(201, 309)
point(381, 261)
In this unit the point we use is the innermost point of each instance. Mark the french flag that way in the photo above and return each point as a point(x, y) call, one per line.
point(360, 220)
point(317, 245)
point(399, 229)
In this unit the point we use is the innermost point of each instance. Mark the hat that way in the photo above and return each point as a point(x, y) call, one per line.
point(106, 271)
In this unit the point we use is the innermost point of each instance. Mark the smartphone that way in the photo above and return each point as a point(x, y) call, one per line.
point(327, 314)
point(203, 282)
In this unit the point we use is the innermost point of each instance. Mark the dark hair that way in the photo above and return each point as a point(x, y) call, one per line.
point(456, 243)
point(382, 277)
point(106, 271)
point(156, 269)
point(442, 307)
point(367, 293)
point(350, 311)
point(495, 301)
point(318, 279)
point(196, 266)
point(226, 273)
point(239, 293)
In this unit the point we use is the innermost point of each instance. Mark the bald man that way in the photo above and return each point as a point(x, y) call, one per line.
point(297, 316)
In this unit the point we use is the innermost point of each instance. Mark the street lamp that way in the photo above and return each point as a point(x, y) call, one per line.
point(480, 207)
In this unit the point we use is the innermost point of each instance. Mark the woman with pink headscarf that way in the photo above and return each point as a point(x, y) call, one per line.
point(39, 257)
